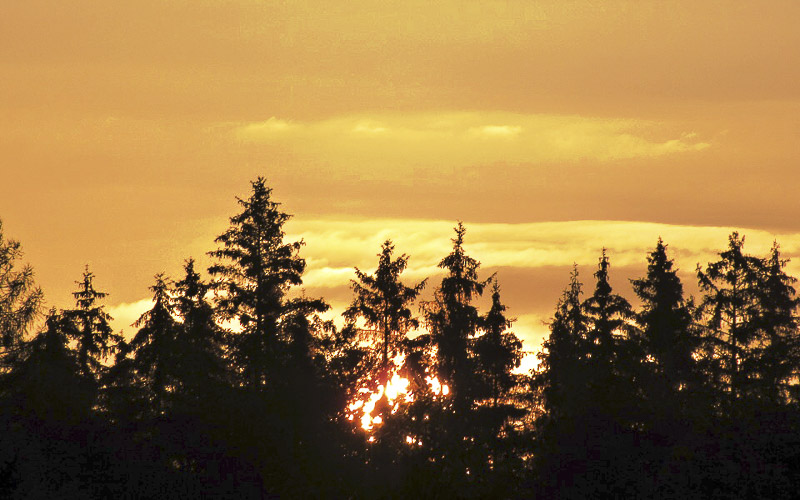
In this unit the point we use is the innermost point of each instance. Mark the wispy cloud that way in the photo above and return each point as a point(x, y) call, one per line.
point(334, 246)
point(466, 139)
point(125, 314)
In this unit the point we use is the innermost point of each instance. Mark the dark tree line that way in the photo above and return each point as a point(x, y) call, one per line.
point(234, 386)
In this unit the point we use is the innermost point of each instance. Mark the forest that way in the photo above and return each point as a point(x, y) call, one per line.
point(233, 385)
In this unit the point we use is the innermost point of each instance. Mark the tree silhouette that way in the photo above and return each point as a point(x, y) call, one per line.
point(154, 348)
point(200, 362)
point(729, 311)
point(498, 351)
point(453, 321)
point(668, 339)
point(95, 338)
point(382, 300)
point(255, 270)
point(777, 354)
point(20, 298)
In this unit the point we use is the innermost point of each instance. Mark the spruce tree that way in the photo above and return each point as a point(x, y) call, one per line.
point(154, 347)
point(668, 339)
point(383, 301)
point(20, 298)
point(255, 270)
point(92, 331)
point(777, 353)
point(608, 317)
point(453, 322)
point(729, 312)
point(498, 351)
point(561, 377)
point(201, 360)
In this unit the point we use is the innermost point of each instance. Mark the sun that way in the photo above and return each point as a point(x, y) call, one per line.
point(370, 405)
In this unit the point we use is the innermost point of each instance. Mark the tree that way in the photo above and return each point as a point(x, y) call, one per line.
point(45, 383)
point(20, 298)
point(561, 377)
point(92, 330)
point(668, 339)
point(201, 358)
point(501, 408)
point(154, 347)
point(383, 301)
point(608, 316)
point(453, 321)
point(777, 353)
point(255, 269)
point(729, 311)
point(498, 352)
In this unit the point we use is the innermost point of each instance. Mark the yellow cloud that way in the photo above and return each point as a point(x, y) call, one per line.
point(496, 131)
point(268, 128)
point(127, 313)
point(335, 245)
point(394, 141)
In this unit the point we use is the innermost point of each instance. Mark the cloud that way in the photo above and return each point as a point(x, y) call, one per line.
point(127, 313)
point(496, 131)
point(335, 245)
point(269, 128)
point(368, 143)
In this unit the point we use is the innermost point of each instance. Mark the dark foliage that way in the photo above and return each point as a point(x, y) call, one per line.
point(238, 387)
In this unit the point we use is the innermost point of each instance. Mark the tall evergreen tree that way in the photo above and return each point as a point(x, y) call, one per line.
point(154, 347)
point(255, 269)
point(383, 301)
point(92, 329)
point(453, 321)
point(502, 401)
point(561, 377)
point(20, 298)
point(201, 360)
point(608, 317)
point(777, 353)
point(45, 412)
point(668, 339)
point(498, 351)
point(729, 311)
point(45, 383)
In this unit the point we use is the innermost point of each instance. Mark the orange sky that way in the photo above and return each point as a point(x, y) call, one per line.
point(129, 127)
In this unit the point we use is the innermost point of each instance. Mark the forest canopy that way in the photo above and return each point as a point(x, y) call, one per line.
point(234, 384)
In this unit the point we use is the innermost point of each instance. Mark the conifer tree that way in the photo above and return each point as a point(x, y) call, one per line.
point(498, 351)
point(668, 338)
point(777, 353)
point(92, 330)
point(608, 315)
point(612, 358)
point(45, 383)
point(383, 301)
point(453, 321)
point(201, 359)
point(20, 298)
point(154, 347)
point(729, 311)
point(255, 269)
point(561, 377)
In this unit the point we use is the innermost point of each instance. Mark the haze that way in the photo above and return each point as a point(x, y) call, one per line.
point(551, 129)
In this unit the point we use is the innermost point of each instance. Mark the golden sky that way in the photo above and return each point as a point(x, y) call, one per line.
point(550, 128)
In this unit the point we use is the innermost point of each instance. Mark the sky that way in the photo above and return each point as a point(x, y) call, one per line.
point(552, 129)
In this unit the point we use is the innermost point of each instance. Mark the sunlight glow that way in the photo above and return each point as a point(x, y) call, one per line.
point(369, 405)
